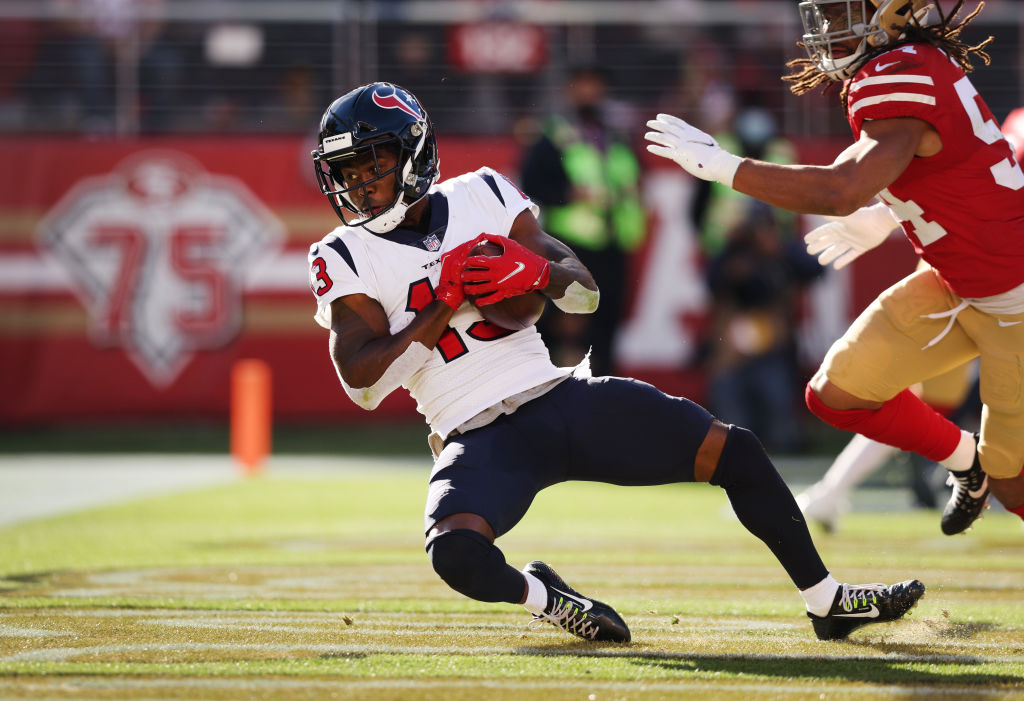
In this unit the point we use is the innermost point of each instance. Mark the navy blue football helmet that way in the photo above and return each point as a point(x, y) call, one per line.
point(365, 120)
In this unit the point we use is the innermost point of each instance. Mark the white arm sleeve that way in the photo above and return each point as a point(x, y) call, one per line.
point(403, 367)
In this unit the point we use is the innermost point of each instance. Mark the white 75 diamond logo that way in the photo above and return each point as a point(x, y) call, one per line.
point(157, 251)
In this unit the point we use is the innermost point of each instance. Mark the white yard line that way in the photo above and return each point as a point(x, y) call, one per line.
point(38, 486)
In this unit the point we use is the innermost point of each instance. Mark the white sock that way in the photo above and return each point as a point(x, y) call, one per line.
point(963, 457)
point(819, 598)
point(536, 594)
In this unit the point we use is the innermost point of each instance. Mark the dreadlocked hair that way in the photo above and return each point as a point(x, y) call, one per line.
point(944, 35)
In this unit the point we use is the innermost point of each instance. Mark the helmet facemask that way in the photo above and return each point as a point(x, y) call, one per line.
point(830, 24)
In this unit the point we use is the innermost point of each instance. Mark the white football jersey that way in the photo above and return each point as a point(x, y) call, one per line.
point(475, 364)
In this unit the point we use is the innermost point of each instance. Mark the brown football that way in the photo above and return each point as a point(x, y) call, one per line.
point(514, 313)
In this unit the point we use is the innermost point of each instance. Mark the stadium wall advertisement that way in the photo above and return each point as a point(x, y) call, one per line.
point(134, 274)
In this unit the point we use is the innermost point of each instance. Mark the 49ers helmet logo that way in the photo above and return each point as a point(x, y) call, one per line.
point(157, 251)
point(395, 101)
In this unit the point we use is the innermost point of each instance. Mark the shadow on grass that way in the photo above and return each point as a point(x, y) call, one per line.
point(13, 583)
point(816, 669)
point(833, 664)
point(339, 656)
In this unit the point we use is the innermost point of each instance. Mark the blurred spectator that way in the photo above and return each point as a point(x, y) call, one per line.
point(757, 265)
point(414, 58)
point(750, 356)
point(116, 43)
point(295, 106)
point(704, 90)
point(415, 61)
point(583, 172)
point(500, 54)
point(84, 64)
point(721, 209)
point(19, 44)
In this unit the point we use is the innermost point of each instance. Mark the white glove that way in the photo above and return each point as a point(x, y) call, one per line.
point(695, 152)
point(843, 239)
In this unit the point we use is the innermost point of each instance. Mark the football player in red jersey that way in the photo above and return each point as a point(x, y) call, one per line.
point(928, 147)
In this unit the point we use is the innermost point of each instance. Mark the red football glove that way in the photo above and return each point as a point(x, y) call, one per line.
point(516, 271)
point(449, 288)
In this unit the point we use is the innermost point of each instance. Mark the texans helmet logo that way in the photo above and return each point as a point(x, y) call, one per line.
point(394, 102)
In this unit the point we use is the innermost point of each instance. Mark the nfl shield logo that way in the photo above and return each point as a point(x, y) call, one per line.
point(432, 243)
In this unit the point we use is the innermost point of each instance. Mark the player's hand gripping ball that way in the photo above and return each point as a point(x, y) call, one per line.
point(517, 312)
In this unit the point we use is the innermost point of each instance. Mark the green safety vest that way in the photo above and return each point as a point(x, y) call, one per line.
point(728, 208)
point(613, 214)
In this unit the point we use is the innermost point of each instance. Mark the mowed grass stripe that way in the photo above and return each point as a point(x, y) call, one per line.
point(244, 652)
point(216, 637)
point(464, 632)
point(340, 521)
point(497, 690)
point(713, 612)
point(640, 668)
point(947, 607)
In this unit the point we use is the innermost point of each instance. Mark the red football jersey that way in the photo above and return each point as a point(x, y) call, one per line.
point(962, 208)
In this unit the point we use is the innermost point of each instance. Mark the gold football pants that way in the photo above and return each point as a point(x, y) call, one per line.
point(887, 349)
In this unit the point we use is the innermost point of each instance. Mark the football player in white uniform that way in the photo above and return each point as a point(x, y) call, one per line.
point(391, 286)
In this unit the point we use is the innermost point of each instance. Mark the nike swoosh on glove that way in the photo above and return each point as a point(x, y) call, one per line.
point(844, 239)
point(516, 271)
point(695, 152)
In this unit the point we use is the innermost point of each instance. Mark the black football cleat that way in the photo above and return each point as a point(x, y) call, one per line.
point(968, 500)
point(858, 605)
point(574, 613)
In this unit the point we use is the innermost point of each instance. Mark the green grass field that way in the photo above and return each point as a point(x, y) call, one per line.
point(302, 586)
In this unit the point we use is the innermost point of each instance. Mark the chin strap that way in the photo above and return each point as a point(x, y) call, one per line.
point(388, 220)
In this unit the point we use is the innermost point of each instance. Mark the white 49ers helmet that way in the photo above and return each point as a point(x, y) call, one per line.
point(830, 25)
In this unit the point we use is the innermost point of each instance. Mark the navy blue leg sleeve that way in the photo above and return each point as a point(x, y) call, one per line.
point(766, 507)
point(472, 565)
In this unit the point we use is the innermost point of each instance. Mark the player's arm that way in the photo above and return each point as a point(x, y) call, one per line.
point(883, 151)
point(371, 361)
point(532, 261)
point(881, 154)
point(570, 285)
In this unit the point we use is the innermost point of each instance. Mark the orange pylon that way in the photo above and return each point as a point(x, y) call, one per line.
point(250, 413)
